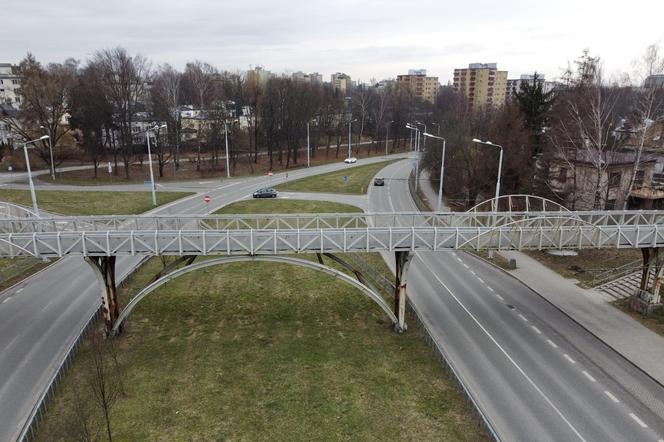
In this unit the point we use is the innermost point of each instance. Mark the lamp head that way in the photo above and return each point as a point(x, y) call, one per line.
point(45, 137)
point(476, 140)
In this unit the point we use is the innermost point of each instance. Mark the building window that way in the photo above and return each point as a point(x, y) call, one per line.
point(640, 175)
point(614, 179)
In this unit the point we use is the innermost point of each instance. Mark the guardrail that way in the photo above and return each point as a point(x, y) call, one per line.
point(28, 429)
point(605, 276)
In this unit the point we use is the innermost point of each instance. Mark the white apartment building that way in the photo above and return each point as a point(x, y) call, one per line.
point(9, 84)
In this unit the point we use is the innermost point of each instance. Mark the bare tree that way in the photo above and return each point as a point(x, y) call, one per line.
point(45, 101)
point(123, 79)
point(198, 77)
point(165, 93)
point(105, 377)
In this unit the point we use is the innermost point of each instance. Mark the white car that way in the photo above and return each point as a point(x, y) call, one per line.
point(350, 160)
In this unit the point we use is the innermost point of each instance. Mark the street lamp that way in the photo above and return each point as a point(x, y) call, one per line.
point(228, 164)
point(417, 152)
point(27, 164)
point(387, 135)
point(349, 139)
point(442, 172)
point(500, 167)
point(424, 145)
point(50, 148)
point(152, 185)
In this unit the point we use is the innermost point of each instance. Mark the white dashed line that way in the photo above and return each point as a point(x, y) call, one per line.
point(499, 297)
point(612, 397)
point(551, 343)
point(466, 266)
point(539, 332)
point(586, 374)
point(20, 290)
point(523, 317)
point(472, 273)
point(490, 288)
point(480, 280)
point(6, 299)
point(459, 259)
point(572, 361)
point(638, 421)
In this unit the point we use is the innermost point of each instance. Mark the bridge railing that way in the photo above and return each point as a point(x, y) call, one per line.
point(325, 221)
point(369, 239)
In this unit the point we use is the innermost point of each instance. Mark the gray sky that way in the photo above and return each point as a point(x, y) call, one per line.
point(370, 39)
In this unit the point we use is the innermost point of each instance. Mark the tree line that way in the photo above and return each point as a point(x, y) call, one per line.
point(95, 106)
point(587, 119)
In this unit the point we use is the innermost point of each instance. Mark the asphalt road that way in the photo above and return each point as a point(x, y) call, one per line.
point(42, 316)
point(536, 373)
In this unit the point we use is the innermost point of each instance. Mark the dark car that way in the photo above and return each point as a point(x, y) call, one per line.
point(266, 192)
point(379, 181)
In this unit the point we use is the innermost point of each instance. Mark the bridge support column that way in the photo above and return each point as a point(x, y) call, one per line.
point(402, 260)
point(647, 297)
point(104, 269)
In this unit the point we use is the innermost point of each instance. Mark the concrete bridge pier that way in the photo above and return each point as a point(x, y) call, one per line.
point(647, 297)
point(402, 260)
point(104, 269)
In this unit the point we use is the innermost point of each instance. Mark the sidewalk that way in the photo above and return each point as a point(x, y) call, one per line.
point(590, 308)
point(430, 193)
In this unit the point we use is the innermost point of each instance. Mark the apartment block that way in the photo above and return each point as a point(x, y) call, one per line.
point(423, 87)
point(482, 84)
point(9, 84)
point(313, 78)
point(258, 76)
point(341, 82)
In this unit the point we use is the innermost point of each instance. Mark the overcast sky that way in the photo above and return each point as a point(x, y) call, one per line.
point(369, 39)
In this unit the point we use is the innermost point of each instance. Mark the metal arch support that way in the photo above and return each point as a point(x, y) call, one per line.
point(104, 269)
point(402, 260)
point(532, 204)
point(517, 224)
point(117, 326)
point(21, 212)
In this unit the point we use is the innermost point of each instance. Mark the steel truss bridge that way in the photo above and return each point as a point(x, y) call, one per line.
point(249, 237)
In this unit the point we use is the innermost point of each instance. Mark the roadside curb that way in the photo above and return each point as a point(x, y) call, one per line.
point(632, 363)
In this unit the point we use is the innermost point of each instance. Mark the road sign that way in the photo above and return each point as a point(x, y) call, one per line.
point(207, 199)
point(345, 178)
point(110, 168)
point(269, 173)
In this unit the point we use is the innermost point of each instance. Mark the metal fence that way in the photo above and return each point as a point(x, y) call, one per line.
point(29, 428)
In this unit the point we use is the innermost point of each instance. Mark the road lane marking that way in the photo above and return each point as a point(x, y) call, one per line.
point(551, 343)
point(499, 297)
point(539, 332)
point(472, 273)
point(509, 358)
point(490, 288)
point(569, 358)
point(523, 317)
point(20, 290)
point(480, 280)
point(6, 300)
point(588, 375)
point(466, 266)
point(459, 259)
point(612, 397)
point(638, 421)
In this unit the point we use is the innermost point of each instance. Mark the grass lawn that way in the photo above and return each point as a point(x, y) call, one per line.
point(587, 260)
point(264, 351)
point(267, 352)
point(285, 206)
point(13, 270)
point(90, 203)
point(359, 180)
point(654, 322)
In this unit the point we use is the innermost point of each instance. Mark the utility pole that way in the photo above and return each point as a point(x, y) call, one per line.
point(228, 170)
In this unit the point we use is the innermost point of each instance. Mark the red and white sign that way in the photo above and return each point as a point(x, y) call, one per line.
point(269, 173)
point(207, 199)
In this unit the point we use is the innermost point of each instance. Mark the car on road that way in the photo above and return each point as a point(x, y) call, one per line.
point(266, 192)
point(379, 181)
point(350, 160)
